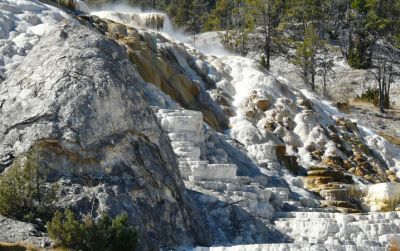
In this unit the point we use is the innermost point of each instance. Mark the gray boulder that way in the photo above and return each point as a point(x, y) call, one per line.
point(75, 98)
point(12, 231)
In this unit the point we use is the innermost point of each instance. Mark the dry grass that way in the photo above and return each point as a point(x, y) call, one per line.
point(5, 246)
point(392, 139)
point(362, 104)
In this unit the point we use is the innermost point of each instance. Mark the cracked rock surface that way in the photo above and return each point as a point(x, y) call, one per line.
point(75, 98)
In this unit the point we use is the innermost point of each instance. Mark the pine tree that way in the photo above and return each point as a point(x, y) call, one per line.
point(23, 191)
point(238, 34)
point(267, 16)
point(325, 66)
point(105, 234)
point(221, 16)
point(196, 18)
point(306, 56)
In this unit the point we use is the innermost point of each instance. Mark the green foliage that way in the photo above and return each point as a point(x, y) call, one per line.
point(371, 95)
point(237, 37)
point(306, 11)
point(358, 57)
point(267, 26)
point(23, 194)
point(102, 235)
point(263, 62)
point(306, 55)
point(373, 20)
point(220, 17)
point(267, 16)
point(196, 16)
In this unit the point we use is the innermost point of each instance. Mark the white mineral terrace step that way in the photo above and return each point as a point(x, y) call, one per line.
point(185, 136)
point(185, 166)
point(373, 229)
point(214, 172)
point(172, 112)
point(185, 129)
point(291, 247)
point(180, 120)
point(192, 153)
point(176, 144)
point(281, 192)
point(237, 188)
point(263, 152)
point(340, 216)
point(191, 162)
point(181, 123)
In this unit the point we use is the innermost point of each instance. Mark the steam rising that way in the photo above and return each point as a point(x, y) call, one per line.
point(209, 43)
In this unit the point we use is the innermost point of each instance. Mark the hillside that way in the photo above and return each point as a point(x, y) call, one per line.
point(202, 149)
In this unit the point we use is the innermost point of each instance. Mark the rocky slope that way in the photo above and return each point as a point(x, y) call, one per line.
point(75, 98)
point(199, 150)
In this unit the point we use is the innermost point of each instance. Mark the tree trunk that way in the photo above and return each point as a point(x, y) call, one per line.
point(267, 52)
point(381, 96)
point(312, 82)
point(381, 103)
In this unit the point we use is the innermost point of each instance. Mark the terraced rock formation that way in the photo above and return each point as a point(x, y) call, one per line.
point(199, 150)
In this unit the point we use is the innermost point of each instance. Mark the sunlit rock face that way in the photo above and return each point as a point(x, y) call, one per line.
point(199, 150)
point(286, 142)
point(22, 23)
point(171, 68)
point(76, 100)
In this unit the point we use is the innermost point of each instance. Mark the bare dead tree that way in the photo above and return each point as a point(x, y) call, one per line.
point(325, 68)
point(385, 70)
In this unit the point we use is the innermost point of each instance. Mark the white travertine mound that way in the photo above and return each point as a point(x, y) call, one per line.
point(22, 23)
point(331, 231)
point(383, 196)
point(248, 180)
point(289, 247)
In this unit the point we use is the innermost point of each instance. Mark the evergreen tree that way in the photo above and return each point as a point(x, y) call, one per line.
point(196, 18)
point(306, 12)
point(306, 56)
point(181, 11)
point(23, 191)
point(325, 66)
point(221, 16)
point(267, 16)
point(237, 36)
point(105, 234)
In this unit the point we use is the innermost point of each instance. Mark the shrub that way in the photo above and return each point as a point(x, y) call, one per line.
point(263, 61)
point(359, 57)
point(103, 235)
point(372, 96)
point(23, 194)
